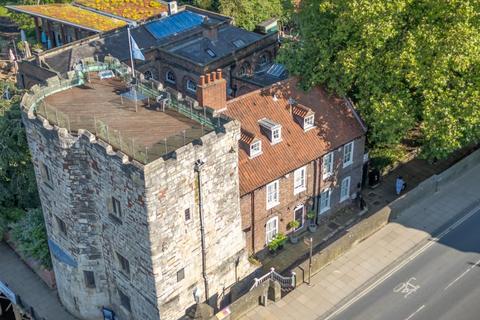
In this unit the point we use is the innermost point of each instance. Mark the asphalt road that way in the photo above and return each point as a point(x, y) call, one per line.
point(442, 283)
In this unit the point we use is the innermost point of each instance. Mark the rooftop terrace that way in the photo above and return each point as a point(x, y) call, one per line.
point(140, 128)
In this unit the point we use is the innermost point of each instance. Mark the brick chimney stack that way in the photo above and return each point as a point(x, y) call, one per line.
point(212, 91)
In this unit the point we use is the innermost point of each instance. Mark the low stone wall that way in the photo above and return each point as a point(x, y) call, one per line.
point(359, 232)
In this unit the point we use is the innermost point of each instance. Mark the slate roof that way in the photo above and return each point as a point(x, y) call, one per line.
point(115, 43)
point(336, 124)
point(195, 48)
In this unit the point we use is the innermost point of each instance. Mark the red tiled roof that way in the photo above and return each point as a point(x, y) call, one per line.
point(247, 137)
point(335, 121)
point(301, 110)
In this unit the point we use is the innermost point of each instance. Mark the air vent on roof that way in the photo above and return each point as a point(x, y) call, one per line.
point(210, 52)
point(276, 70)
point(239, 43)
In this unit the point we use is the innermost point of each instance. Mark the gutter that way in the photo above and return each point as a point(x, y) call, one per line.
point(198, 168)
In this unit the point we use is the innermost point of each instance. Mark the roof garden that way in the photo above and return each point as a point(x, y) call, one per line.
point(129, 9)
point(71, 15)
point(142, 122)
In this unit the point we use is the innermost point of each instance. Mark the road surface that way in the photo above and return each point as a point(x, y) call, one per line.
point(442, 283)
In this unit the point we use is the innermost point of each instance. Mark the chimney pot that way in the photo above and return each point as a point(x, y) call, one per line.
point(207, 78)
point(212, 76)
point(219, 74)
point(202, 80)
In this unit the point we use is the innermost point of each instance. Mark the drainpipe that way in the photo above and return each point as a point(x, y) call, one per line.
point(316, 187)
point(252, 225)
point(198, 168)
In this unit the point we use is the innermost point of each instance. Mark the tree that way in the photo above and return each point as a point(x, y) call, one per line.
point(407, 64)
point(248, 13)
point(17, 179)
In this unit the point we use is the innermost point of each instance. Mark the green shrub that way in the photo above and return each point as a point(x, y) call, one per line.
point(30, 235)
point(9, 216)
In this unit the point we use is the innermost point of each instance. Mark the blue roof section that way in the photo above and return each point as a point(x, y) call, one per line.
point(171, 25)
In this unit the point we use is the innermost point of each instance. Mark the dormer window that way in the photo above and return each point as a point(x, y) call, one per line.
point(277, 135)
point(308, 122)
point(304, 116)
point(271, 129)
point(255, 148)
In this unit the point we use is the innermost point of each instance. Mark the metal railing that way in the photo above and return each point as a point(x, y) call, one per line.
point(286, 283)
point(116, 138)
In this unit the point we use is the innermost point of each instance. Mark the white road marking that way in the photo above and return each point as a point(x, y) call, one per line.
point(464, 273)
point(402, 264)
point(413, 314)
point(406, 288)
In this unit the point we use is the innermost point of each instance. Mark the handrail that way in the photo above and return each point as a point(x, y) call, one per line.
point(286, 283)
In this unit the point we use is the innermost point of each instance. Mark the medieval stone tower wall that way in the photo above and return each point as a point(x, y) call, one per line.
point(81, 182)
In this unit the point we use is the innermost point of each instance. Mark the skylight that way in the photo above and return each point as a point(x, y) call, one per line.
point(210, 52)
point(239, 43)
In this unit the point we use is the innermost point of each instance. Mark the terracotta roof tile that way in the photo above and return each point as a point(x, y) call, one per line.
point(336, 124)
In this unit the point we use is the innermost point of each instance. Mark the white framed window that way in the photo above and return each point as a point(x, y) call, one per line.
point(255, 148)
point(345, 189)
point(170, 77)
point(271, 229)
point(308, 122)
point(325, 200)
point(299, 215)
point(327, 165)
point(191, 86)
point(273, 194)
point(300, 180)
point(348, 154)
point(277, 135)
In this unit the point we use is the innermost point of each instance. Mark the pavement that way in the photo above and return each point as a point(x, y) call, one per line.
point(343, 279)
point(441, 283)
point(32, 291)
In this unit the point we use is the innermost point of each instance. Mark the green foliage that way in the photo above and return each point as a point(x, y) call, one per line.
point(8, 216)
point(294, 224)
point(405, 63)
point(311, 215)
point(248, 13)
point(31, 237)
point(17, 179)
point(277, 241)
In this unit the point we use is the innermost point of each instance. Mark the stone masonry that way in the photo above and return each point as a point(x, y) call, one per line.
point(84, 184)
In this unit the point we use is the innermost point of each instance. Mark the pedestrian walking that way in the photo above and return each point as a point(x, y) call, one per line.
point(400, 185)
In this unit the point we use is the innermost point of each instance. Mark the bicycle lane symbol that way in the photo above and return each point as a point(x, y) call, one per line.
point(406, 288)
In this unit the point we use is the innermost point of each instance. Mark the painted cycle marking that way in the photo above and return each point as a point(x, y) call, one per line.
point(406, 288)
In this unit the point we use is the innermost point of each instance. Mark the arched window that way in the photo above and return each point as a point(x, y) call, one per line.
point(170, 77)
point(245, 69)
point(148, 75)
point(271, 229)
point(191, 86)
point(263, 61)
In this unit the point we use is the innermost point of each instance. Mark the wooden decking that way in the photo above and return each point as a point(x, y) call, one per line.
point(99, 101)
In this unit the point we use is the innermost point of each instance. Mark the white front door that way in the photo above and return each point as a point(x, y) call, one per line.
point(271, 229)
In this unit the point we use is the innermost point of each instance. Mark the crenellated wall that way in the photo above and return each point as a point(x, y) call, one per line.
point(153, 234)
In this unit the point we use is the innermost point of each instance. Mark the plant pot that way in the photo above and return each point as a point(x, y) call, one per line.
point(273, 252)
point(294, 240)
point(312, 227)
point(280, 246)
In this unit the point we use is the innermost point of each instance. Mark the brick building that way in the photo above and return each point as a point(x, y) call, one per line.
point(299, 151)
point(178, 48)
point(142, 206)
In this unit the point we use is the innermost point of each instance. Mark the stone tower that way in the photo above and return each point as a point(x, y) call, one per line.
point(138, 238)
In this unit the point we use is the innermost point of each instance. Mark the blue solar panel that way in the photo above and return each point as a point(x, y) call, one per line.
point(179, 22)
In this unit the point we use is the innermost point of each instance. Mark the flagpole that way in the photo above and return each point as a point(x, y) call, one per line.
point(130, 47)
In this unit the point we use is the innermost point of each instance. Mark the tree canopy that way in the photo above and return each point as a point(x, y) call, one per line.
point(247, 13)
point(407, 64)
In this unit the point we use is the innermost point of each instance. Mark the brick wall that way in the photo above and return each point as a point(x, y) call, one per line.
point(254, 227)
